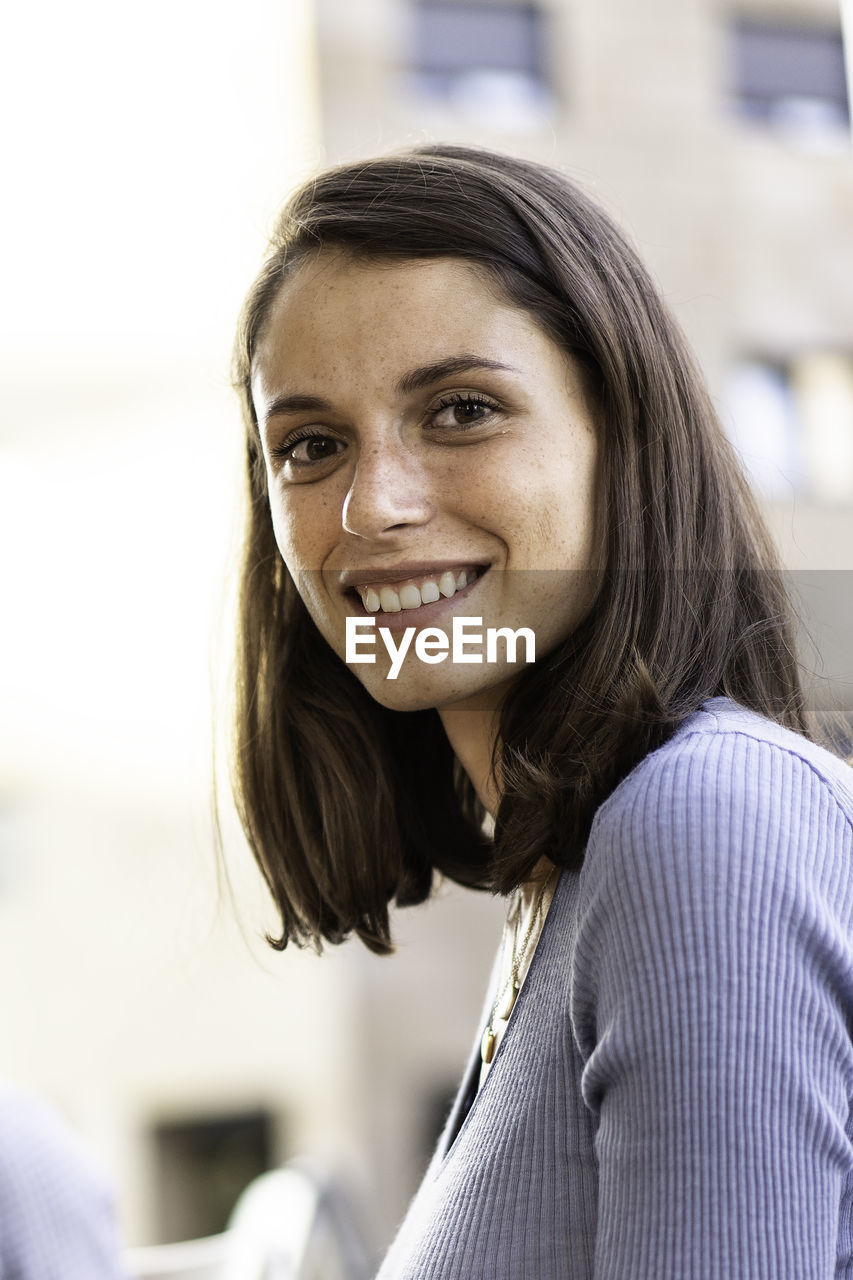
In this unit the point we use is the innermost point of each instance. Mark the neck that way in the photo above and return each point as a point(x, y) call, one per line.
point(471, 727)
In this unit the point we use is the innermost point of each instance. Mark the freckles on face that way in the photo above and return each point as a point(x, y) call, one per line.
point(413, 420)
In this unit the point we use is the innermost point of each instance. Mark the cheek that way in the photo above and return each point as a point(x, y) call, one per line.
point(567, 512)
point(551, 526)
point(304, 530)
point(566, 524)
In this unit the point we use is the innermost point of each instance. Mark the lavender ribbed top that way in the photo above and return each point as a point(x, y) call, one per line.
point(672, 1098)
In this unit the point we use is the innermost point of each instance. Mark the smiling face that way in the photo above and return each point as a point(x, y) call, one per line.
point(430, 453)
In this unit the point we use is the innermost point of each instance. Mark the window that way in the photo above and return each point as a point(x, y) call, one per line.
point(790, 76)
point(202, 1165)
point(482, 59)
point(762, 422)
point(792, 424)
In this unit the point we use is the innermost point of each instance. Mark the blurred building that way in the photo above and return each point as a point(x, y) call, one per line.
point(190, 1056)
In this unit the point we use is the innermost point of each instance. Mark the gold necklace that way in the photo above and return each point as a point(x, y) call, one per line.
point(507, 994)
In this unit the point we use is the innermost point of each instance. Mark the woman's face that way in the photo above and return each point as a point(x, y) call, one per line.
point(415, 429)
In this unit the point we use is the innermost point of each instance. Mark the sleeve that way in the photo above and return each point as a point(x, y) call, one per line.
point(57, 1217)
point(711, 1001)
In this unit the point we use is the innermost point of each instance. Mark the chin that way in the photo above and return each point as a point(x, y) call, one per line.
point(400, 698)
point(427, 691)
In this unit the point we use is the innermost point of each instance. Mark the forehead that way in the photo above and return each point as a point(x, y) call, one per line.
point(338, 314)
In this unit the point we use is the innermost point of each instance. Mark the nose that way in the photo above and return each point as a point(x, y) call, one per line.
point(389, 491)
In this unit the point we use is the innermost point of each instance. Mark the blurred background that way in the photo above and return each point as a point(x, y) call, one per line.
point(146, 151)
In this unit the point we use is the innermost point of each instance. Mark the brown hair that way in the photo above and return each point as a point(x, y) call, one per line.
point(348, 805)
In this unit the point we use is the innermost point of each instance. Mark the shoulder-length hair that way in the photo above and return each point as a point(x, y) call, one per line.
point(348, 805)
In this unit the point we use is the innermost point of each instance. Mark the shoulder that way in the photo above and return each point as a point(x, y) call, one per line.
point(730, 784)
point(717, 889)
point(735, 832)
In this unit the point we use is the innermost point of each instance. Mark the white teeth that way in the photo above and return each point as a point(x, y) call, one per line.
point(410, 597)
point(389, 600)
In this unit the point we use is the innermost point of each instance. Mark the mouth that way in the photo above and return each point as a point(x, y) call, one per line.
point(409, 595)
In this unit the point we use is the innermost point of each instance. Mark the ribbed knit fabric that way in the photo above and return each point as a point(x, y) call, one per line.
point(671, 1100)
point(57, 1219)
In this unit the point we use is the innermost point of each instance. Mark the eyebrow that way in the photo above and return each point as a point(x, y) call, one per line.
point(427, 374)
point(415, 380)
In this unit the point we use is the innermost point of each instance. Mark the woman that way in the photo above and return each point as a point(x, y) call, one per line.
point(464, 398)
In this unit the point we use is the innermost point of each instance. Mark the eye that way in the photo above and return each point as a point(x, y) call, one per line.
point(462, 409)
point(307, 449)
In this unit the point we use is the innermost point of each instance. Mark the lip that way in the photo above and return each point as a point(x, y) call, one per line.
point(426, 614)
point(349, 579)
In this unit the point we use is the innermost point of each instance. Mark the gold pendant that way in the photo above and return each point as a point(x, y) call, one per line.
point(487, 1045)
point(508, 1004)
